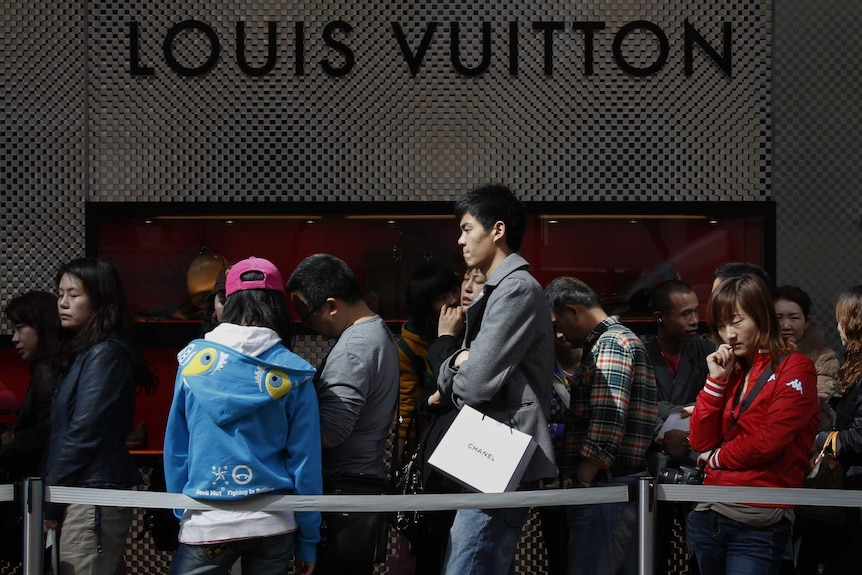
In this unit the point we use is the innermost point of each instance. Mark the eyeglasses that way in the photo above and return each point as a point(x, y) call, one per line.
point(309, 313)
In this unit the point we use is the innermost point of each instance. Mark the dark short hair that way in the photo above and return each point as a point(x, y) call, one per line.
point(494, 203)
point(323, 276)
point(796, 295)
point(660, 296)
point(564, 291)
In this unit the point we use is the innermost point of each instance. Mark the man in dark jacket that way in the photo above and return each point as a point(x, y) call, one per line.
point(678, 358)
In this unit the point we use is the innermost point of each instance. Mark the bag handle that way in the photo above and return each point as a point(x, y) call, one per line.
point(831, 444)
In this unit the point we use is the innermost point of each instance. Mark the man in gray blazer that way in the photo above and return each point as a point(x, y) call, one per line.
point(504, 369)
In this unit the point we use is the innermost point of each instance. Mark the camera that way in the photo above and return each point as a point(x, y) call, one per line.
point(685, 475)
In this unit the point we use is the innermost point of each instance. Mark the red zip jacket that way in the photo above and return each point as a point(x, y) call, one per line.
point(769, 444)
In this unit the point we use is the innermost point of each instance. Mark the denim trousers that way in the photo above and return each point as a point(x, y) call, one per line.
point(259, 556)
point(484, 541)
point(602, 537)
point(723, 546)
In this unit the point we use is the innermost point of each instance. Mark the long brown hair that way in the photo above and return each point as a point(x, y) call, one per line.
point(848, 313)
point(755, 299)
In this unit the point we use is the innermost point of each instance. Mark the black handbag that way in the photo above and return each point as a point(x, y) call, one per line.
point(409, 481)
point(355, 537)
point(827, 473)
point(162, 525)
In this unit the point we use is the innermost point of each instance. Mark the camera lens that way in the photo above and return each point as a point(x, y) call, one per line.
point(670, 476)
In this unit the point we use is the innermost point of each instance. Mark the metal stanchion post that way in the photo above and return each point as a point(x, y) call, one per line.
point(646, 526)
point(34, 547)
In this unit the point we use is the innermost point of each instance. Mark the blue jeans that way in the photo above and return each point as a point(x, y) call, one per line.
point(723, 546)
point(484, 541)
point(260, 556)
point(603, 537)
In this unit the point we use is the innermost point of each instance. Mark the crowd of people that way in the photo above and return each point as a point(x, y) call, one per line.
point(749, 404)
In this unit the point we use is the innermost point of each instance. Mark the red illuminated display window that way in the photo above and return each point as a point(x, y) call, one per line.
point(620, 249)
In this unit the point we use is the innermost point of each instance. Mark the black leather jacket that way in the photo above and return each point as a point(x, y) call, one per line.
point(846, 412)
point(91, 416)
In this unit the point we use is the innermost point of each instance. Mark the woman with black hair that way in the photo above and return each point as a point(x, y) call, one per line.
point(431, 288)
point(429, 546)
point(92, 415)
point(36, 335)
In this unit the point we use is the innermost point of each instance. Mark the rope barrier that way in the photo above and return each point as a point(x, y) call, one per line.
point(647, 492)
point(762, 495)
point(429, 502)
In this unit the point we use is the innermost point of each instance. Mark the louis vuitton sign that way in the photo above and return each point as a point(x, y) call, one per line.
point(284, 47)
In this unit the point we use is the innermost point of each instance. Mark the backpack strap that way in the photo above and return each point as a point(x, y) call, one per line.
point(419, 363)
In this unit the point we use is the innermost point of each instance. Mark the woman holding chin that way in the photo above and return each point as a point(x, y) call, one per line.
point(430, 549)
point(754, 422)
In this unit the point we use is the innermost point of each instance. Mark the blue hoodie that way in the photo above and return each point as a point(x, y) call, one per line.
point(244, 425)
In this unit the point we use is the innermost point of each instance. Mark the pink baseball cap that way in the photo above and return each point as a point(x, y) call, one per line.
point(271, 276)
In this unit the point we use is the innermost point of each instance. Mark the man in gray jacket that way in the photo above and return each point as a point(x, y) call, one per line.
point(357, 389)
point(504, 370)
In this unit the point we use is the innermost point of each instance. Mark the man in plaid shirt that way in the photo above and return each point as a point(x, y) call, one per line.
point(612, 423)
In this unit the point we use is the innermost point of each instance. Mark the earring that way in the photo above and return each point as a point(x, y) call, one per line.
point(659, 321)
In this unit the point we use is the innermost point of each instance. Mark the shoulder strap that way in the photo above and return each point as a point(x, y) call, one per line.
point(421, 366)
point(418, 363)
point(761, 381)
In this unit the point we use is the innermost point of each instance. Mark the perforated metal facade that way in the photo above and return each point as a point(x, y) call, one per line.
point(81, 122)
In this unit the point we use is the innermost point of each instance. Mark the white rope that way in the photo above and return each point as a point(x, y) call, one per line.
point(547, 497)
point(692, 493)
point(764, 495)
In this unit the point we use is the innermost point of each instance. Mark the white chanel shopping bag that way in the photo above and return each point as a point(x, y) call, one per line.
point(483, 454)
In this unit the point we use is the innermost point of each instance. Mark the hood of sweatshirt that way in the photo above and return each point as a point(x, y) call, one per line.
point(229, 384)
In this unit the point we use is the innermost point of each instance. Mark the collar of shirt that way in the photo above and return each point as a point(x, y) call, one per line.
point(601, 328)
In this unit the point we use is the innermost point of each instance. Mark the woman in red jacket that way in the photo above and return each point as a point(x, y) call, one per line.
point(754, 422)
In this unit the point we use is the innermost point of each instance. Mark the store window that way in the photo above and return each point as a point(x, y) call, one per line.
point(168, 254)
